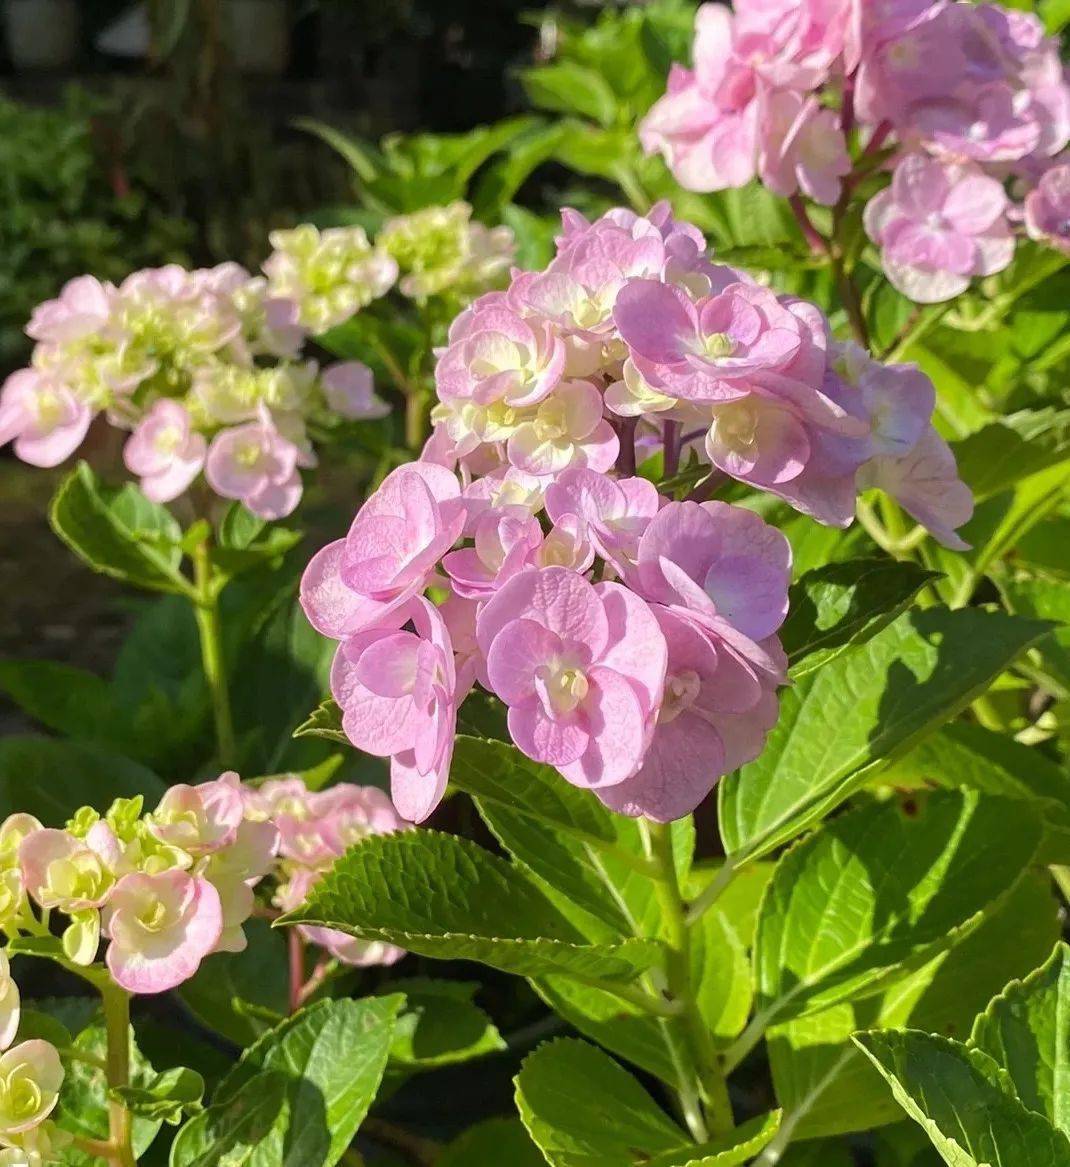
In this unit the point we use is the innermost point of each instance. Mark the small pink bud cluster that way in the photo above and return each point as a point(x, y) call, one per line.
point(169, 888)
point(31, 1075)
point(204, 367)
point(631, 637)
point(968, 95)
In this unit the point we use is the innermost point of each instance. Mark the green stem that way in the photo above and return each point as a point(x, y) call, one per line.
point(117, 1027)
point(210, 630)
point(648, 1002)
point(678, 975)
point(712, 891)
point(417, 411)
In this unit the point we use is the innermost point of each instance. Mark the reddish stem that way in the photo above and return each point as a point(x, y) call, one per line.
point(297, 968)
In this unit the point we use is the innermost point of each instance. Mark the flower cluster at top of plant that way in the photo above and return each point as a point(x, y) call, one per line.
point(207, 367)
point(165, 890)
point(632, 637)
point(961, 100)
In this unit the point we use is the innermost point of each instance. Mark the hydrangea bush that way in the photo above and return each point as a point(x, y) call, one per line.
point(720, 579)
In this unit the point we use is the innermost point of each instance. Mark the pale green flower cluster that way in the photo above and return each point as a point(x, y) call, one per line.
point(329, 275)
point(440, 249)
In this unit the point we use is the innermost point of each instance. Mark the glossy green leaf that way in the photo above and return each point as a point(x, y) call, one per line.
point(1027, 1030)
point(584, 1110)
point(964, 754)
point(590, 862)
point(839, 725)
point(300, 1093)
point(166, 1097)
point(827, 1085)
point(493, 1143)
point(568, 87)
point(1003, 453)
point(955, 1095)
point(83, 1100)
point(119, 533)
point(836, 607)
point(324, 721)
point(444, 897)
point(881, 890)
point(440, 1025)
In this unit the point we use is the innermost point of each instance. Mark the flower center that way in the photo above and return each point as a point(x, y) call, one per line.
point(551, 422)
point(737, 427)
point(717, 345)
point(154, 916)
point(681, 690)
point(566, 688)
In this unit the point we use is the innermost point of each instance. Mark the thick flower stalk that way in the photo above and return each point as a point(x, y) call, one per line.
point(969, 104)
point(631, 636)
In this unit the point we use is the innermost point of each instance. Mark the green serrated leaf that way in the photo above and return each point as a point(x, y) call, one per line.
point(324, 721)
point(119, 533)
point(1026, 1029)
point(583, 1110)
point(83, 1100)
point(1004, 453)
point(305, 1086)
point(828, 1086)
point(167, 1097)
point(492, 1143)
point(829, 928)
point(842, 605)
point(839, 725)
point(952, 1095)
point(440, 1025)
point(444, 897)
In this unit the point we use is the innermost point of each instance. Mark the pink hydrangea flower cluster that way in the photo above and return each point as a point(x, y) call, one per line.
point(969, 95)
point(205, 369)
point(631, 636)
point(166, 889)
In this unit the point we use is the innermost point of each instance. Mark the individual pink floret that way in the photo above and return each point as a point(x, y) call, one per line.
point(802, 147)
point(257, 466)
point(567, 430)
point(505, 542)
point(581, 668)
point(939, 226)
point(709, 351)
point(43, 418)
point(722, 563)
point(349, 387)
point(398, 694)
point(1047, 209)
point(394, 544)
point(81, 309)
point(715, 713)
point(164, 451)
point(615, 511)
point(200, 819)
point(161, 927)
point(926, 484)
